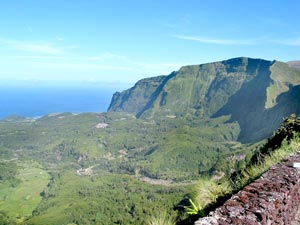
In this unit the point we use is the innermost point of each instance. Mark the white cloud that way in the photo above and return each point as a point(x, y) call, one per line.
point(257, 41)
point(82, 66)
point(107, 56)
point(40, 48)
point(217, 41)
point(42, 57)
point(163, 66)
point(58, 38)
point(155, 69)
point(289, 41)
point(26, 46)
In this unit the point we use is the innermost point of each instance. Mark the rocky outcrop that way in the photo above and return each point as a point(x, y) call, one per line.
point(272, 199)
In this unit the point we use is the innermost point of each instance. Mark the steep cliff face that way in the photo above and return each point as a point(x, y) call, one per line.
point(261, 103)
point(251, 91)
point(203, 89)
point(136, 98)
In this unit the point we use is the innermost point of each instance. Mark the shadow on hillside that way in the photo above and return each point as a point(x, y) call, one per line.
point(247, 107)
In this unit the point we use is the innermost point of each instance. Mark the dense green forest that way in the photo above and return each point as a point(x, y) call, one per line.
point(110, 167)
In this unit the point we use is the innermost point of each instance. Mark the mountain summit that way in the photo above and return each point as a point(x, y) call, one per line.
point(256, 93)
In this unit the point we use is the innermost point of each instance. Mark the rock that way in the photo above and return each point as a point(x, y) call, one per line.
point(272, 199)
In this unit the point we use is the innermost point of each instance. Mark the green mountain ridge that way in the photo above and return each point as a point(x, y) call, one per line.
point(249, 90)
point(143, 155)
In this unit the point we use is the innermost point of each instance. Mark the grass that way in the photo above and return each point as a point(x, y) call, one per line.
point(19, 202)
point(256, 170)
point(177, 149)
point(282, 76)
point(162, 217)
point(160, 149)
point(102, 198)
point(207, 191)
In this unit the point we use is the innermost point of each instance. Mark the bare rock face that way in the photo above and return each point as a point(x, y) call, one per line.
point(272, 199)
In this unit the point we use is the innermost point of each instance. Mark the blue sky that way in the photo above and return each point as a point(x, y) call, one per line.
point(122, 41)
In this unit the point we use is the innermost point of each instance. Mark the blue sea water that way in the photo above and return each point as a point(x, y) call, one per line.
point(35, 101)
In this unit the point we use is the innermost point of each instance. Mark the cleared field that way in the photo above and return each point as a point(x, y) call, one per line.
point(19, 202)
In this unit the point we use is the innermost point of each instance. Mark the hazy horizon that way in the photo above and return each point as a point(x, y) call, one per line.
point(39, 100)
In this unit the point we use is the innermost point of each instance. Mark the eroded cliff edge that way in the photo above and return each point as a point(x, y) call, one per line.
point(274, 198)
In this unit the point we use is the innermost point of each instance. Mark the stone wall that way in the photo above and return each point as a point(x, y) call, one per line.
point(274, 198)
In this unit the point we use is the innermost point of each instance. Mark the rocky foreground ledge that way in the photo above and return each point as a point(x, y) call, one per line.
point(274, 198)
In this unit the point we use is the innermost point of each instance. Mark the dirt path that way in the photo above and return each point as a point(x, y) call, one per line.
point(164, 182)
point(89, 171)
point(85, 172)
point(156, 181)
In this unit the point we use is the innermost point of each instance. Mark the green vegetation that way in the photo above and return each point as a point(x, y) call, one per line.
point(19, 199)
point(8, 171)
point(197, 125)
point(126, 145)
point(285, 141)
point(199, 89)
point(133, 167)
point(135, 99)
point(112, 145)
point(255, 93)
point(255, 171)
point(207, 192)
point(281, 83)
point(161, 217)
point(103, 198)
point(130, 167)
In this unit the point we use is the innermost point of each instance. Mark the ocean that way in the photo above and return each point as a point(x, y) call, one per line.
point(36, 101)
